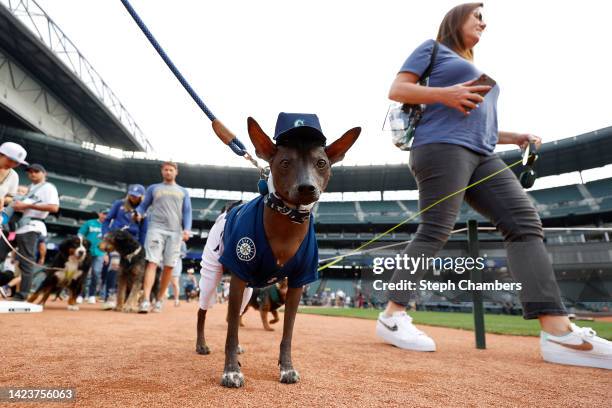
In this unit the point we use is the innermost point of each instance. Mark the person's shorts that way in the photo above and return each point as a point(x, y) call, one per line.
point(178, 268)
point(163, 247)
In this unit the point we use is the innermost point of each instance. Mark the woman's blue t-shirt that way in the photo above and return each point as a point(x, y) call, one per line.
point(441, 124)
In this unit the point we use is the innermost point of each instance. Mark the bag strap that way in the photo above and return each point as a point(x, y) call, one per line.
point(432, 61)
point(33, 191)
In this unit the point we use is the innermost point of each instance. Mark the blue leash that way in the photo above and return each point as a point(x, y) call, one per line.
point(220, 130)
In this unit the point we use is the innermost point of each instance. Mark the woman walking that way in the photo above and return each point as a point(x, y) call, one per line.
point(453, 148)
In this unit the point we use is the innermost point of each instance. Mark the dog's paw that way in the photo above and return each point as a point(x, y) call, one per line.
point(202, 349)
point(240, 349)
point(268, 328)
point(232, 379)
point(73, 308)
point(290, 376)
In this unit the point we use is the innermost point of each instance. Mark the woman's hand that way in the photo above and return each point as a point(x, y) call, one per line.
point(523, 140)
point(463, 97)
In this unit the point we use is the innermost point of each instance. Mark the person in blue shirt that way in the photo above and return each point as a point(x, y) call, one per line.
point(92, 231)
point(452, 149)
point(121, 216)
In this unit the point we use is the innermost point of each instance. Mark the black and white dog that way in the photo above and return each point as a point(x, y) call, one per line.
point(68, 271)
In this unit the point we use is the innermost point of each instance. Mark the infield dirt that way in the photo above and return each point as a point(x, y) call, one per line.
point(115, 359)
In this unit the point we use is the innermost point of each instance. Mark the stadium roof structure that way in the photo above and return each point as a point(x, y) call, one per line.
point(49, 56)
point(583, 152)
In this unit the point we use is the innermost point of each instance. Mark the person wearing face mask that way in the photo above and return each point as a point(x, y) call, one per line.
point(453, 148)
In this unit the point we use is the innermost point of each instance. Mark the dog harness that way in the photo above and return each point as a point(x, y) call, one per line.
point(248, 254)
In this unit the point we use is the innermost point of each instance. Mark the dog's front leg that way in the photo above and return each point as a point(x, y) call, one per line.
point(263, 312)
point(275, 316)
point(121, 289)
point(288, 374)
point(232, 377)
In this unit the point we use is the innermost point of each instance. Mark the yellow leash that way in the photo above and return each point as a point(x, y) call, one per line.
point(412, 217)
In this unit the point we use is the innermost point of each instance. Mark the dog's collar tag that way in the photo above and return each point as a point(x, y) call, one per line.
point(295, 215)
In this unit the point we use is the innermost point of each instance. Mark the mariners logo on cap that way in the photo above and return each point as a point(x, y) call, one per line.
point(298, 123)
point(245, 249)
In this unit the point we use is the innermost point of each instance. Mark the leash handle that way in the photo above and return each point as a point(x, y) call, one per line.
point(228, 138)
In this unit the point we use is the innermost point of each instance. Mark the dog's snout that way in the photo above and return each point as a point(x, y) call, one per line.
point(306, 189)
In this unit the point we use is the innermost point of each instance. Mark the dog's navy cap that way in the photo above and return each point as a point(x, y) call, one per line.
point(136, 190)
point(297, 123)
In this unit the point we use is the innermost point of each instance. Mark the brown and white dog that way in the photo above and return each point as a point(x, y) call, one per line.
point(68, 270)
point(131, 268)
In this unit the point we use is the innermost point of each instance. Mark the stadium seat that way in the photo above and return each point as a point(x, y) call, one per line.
point(557, 195)
point(106, 195)
point(600, 188)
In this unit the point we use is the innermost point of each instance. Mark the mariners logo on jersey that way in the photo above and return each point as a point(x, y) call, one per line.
point(245, 249)
point(251, 258)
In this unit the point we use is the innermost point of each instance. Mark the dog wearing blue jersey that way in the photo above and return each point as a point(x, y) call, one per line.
point(272, 237)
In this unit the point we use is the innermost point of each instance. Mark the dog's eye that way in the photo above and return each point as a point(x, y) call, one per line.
point(284, 163)
point(321, 164)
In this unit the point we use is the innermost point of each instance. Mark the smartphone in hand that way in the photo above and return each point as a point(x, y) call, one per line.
point(484, 79)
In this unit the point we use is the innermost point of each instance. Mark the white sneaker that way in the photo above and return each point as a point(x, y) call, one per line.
point(144, 307)
point(110, 304)
point(398, 330)
point(177, 302)
point(580, 347)
point(79, 300)
point(91, 300)
point(158, 307)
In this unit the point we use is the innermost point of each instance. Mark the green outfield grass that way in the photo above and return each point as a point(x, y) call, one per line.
point(500, 324)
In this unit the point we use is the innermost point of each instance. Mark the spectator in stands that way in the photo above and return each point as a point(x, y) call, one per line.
point(41, 199)
point(122, 216)
point(92, 231)
point(176, 274)
point(168, 208)
point(11, 156)
point(453, 148)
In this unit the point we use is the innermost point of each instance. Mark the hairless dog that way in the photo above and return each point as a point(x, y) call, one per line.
point(272, 236)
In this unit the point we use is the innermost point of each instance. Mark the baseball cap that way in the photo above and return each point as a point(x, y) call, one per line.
point(14, 152)
point(137, 190)
point(293, 124)
point(36, 167)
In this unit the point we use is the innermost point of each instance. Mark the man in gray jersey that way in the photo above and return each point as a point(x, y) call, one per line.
point(168, 209)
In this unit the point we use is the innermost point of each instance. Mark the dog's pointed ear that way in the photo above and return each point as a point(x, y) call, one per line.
point(335, 151)
point(264, 147)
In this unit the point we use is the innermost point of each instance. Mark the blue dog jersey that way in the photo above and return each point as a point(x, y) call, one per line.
point(248, 255)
